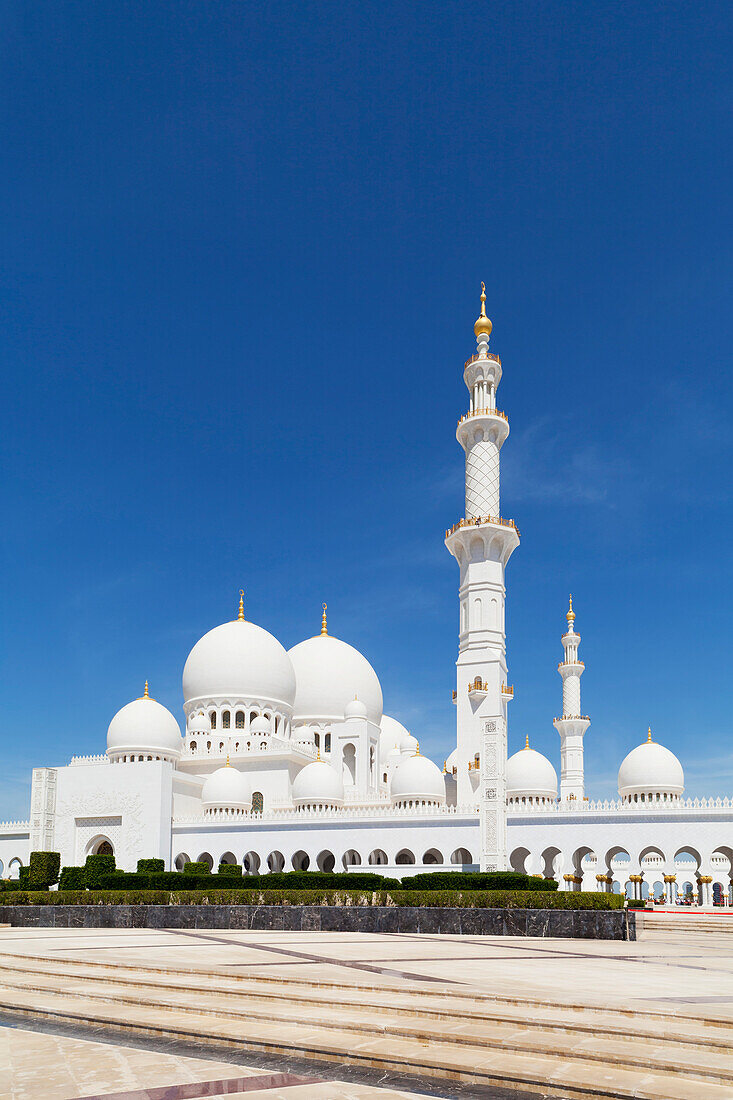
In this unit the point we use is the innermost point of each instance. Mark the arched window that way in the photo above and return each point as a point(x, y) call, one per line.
point(258, 802)
point(225, 718)
point(327, 743)
point(212, 719)
point(349, 764)
point(239, 720)
point(318, 740)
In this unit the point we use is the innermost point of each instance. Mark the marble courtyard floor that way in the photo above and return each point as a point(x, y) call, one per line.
point(157, 1015)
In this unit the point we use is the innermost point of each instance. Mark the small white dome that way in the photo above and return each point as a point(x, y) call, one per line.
point(144, 726)
point(304, 735)
point(408, 745)
point(391, 734)
point(199, 723)
point(417, 779)
point(260, 726)
point(650, 768)
point(329, 673)
point(530, 774)
point(355, 709)
point(226, 789)
point(318, 784)
point(239, 660)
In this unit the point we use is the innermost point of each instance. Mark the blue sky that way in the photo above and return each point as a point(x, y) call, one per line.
point(241, 255)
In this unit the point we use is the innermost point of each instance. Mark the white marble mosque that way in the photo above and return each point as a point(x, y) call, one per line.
point(287, 760)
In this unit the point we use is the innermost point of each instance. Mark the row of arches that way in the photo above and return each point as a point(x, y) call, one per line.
point(256, 863)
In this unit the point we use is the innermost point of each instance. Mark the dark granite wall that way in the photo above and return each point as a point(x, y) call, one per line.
point(610, 924)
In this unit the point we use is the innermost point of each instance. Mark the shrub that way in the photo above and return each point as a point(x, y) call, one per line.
point(477, 880)
point(73, 878)
point(489, 899)
point(150, 866)
point(196, 869)
point(95, 868)
point(168, 880)
point(23, 873)
point(43, 870)
point(123, 880)
point(230, 869)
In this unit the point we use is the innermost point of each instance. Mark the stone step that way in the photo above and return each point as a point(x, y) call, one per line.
point(559, 1075)
point(526, 1038)
point(409, 995)
point(692, 1033)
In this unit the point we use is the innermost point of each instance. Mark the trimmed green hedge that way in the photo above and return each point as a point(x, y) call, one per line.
point(150, 866)
point(477, 880)
point(73, 878)
point(96, 869)
point(43, 870)
point(450, 899)
point(231, 870)
point(196, 868)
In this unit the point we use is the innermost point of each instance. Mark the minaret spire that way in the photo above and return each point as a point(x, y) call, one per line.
point(324, 624)
point(482, 543)
point(240, 615)
point(572, 725)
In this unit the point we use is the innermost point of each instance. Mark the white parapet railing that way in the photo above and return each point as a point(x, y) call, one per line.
point(679, 806)
point(14, 826)
point(101, 758)
point(277, 816)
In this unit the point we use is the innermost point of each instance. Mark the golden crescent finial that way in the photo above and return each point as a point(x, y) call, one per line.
point(324, 625)
point(145, 693)
point(571, 614)
point(649, 736)
point(240, 616)
point(483, 324)
point(526, 741)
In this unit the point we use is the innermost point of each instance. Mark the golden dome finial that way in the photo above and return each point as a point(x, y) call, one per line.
point(228, 765)
point(649, 736)
point(240, 616)
point(145, 693)
point(417, 748)
point(571, 614)
point(483, 324)
point(526, 741)
point(324, 625)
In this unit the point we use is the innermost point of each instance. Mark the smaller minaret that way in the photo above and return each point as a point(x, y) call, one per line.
point(572, 725)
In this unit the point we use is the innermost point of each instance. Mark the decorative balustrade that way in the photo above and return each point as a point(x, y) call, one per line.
point(489, 355)
point(275, 816)
point(478, 521)
point(483, 412)
point(100, 758)
point(507, 689)
point(579, 809)
point(14, 826)
point(581, 717)
point(568, 664)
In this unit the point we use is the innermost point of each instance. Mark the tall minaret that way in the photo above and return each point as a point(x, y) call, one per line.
point(572, 725)
point(482, 543)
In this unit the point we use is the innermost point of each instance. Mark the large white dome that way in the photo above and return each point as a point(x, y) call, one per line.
point(391, 734)
point(650, 768)
point(417, 779)
point(329, 673)
point(318, 784)
point(239, 660)
point(226, 789)
point(529, 774)
point(144, 727)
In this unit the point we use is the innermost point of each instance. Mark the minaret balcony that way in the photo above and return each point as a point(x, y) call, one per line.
point(481, 521)
point(507, 691)
point(571, 718)
point(570, 666)
point(483, 412)
point(474, 358)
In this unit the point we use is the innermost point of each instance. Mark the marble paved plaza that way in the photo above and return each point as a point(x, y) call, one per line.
point(317, 1013)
